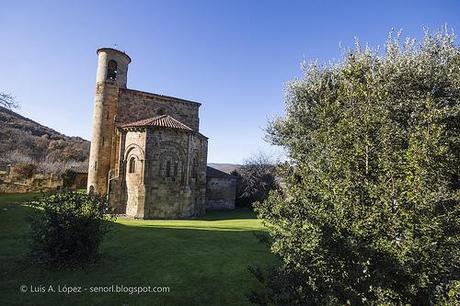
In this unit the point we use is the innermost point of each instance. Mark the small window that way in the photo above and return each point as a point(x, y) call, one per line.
point(168, 168)
point(132, 165)
point(112, 70)
point(194, 169)
point(176, 168)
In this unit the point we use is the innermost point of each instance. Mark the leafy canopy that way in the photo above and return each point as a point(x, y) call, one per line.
point(369, 213)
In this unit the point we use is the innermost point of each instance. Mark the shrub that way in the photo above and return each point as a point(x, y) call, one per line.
point(69, 227)
point(452, 297)
point(68, 178)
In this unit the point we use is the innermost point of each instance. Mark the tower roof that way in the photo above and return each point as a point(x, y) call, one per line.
point(160, 121)
point(114, 51)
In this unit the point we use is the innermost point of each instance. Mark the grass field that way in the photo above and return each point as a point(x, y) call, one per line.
point(203, 261)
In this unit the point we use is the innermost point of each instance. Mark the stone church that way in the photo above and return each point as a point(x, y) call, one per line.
point(147, 153)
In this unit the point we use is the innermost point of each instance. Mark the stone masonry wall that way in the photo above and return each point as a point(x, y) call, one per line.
point(101, 158)
point(151, 191)
point(36, 183)
point(167, 196)
point(180, 191)
point(136, 105)
point(220, 193)
point(134, 178)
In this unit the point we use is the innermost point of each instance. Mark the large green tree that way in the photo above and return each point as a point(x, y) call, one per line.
point(369, 213)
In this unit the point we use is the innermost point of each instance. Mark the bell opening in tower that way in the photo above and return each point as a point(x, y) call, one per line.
point(112, 70)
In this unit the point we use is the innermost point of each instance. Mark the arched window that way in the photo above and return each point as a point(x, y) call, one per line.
point(132, 165)
point(176, 169)
point(168, 168)
point(194, 169)
point(112, 70)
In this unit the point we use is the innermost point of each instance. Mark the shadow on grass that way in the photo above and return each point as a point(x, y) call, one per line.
point(9, 198)
point(239, 213)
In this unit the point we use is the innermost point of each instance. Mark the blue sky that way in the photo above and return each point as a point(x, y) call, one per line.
point(234, 57)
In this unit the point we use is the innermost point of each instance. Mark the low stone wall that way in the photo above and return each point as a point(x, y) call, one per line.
point(37, 183)
point(220, 193)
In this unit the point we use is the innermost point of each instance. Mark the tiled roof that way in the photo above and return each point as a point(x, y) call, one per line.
point(160, 121)
point(80, 168)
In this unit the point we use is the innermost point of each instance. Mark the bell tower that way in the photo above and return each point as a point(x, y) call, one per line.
point(112, 72)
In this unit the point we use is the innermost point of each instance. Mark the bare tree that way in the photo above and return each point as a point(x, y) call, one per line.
point(257, 177)
point(7, 100)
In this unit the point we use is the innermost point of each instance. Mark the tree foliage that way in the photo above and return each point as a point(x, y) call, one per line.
point(256, 178)
point(369, 213)
point(68, 178)
point(69, 228)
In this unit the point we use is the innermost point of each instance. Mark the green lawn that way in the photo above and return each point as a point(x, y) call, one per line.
point(204, 262)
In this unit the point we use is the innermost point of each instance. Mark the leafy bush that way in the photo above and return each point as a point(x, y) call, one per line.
point(370, 210)
point(69, 227)
point(68, 178)
point(453, 295)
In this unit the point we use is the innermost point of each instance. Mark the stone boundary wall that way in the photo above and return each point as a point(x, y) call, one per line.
point(220, 193)
point(37, 183)
point(12, 181)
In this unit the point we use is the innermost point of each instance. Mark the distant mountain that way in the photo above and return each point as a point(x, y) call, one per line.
point(227, 168)
point(23, 140)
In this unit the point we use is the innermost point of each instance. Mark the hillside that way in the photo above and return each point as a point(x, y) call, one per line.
point(227, 168)
point(25, 141)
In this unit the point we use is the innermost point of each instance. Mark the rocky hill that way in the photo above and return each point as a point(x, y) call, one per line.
point(227, 168)
point(24, 141)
